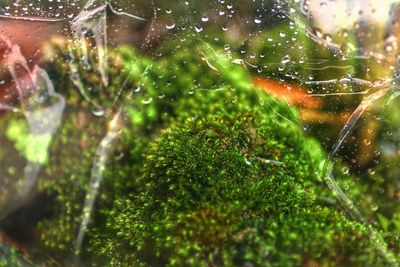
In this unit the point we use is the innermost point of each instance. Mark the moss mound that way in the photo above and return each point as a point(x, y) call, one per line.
point(229, 190)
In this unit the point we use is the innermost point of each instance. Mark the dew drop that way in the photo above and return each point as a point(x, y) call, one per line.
point(257, 20)
point(98, 113)
point(198, 28)
point(328, 38)
point(371, 171)
point(147, 101)
point(318, 32)
point(286, 59)
point(170, 26)
point(389, 48)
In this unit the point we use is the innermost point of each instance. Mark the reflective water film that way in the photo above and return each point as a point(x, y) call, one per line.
point(199, 133)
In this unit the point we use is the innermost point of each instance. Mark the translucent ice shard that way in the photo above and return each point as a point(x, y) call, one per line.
point(89, 30)
point(102, 154)
point(42, 108)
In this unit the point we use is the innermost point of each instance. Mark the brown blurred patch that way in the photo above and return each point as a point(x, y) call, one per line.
point(29, 36)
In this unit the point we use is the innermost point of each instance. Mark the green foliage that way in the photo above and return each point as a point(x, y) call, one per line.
point(32, 147)
point(10, 257)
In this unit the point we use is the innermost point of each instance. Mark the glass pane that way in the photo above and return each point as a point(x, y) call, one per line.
point(199, 133)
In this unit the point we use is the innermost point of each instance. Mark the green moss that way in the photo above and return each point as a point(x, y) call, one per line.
point(317, 237)
point(232, 189)
point(158, 88)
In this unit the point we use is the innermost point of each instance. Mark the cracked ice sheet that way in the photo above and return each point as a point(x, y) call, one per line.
point(356, 142)
point(359, 73)
point(91, 21)
point(92, 24)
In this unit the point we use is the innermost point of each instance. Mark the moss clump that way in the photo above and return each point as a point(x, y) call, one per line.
point(229, 190)
point(160, 91)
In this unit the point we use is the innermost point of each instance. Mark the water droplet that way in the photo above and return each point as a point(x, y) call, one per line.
point(344, 33)
point(327, 38)
point(198, 28)
point(286, 59)
point(98, 113)
point(204, 19)
point(282, 34)
point(257, 20)
point(238, 61)
point(317, 32)
point(147, 101)
point(389, 48)
point(170, 25)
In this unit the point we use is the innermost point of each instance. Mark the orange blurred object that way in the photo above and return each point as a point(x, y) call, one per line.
point(292, 94)
point(311, 115)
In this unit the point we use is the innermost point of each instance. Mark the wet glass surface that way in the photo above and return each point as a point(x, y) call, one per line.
point(90, 90)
